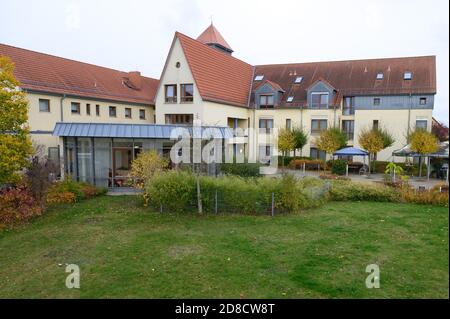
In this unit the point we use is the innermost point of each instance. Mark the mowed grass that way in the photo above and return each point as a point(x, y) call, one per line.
point(127, 251)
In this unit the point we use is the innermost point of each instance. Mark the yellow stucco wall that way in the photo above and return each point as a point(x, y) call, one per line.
point(44, 122)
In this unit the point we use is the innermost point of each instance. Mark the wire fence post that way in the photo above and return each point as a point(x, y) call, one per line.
point(304, 169)
point(273, 204)
point(215, 202)
point(160, 208)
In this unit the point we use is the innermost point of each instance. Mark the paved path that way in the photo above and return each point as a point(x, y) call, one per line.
point(414, 181)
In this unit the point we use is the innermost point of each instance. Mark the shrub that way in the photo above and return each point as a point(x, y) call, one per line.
point(17, 205)
point(38, 177)
point(60, 198)
point(334, 177)
point(173, 190)
point(59, 192)
point(241, 169)
point(234, 193)
point(309, 164)
point(429, 197)
point(339, 167)
point(286, 160)
point(349, 191)
point(145, 166)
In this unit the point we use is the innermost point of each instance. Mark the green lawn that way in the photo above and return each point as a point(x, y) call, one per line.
point(124, 250)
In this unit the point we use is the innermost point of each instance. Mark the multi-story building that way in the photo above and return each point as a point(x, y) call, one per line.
point(97, 119)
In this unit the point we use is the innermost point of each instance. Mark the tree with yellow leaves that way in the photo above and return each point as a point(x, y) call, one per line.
point(374, 140)
point(286, 141)
point(15, 143)
point(331, 140)
point(423, 143)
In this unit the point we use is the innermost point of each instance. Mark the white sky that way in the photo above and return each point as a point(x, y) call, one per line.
point(136, 34)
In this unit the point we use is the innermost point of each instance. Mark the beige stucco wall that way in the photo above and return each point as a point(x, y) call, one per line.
point(44, 122)
point(394, 121)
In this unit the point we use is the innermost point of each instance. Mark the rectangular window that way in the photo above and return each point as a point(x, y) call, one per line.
point(319, 100)
point(179, 118)
point(375, 124)
point(53, 154)
point(44, 105)
point(348, 127)
point(171, 93)
point(421, 124)
point(127, 113)
point(142, 114)
point(112, 111)
point(88, 109)
point(187, 93)
point(75, 108)
point(380, 76)
point(265, 125)
point(290, 99)
point(259, 77)
point(349, 105)
point(407, 75)
point(97, 109)
point(318, 126)
point(298, 79)
point(288, 124)
point(423, 101)
point(266, 101)
point(315, 153)
point(376, 101)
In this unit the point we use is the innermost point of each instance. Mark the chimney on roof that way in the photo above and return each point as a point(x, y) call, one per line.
point(135, 79)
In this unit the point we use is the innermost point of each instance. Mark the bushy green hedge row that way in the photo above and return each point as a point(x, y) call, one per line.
point(241, 169)
point(176, 191)
point(412, 169)
point(287, 159)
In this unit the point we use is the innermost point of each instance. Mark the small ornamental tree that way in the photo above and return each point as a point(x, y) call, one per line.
point(286, 141)
point(374, 140)
point(15, 143)
point(145, 166)
point(331, 140)
point(423, 142)
point(301, 139)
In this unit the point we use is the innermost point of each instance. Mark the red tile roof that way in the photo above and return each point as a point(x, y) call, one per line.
point(47, 73)
point(354, 77)
point(212, 36)
point(219, 77)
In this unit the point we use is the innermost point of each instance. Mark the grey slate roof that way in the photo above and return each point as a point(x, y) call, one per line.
point(132, 130)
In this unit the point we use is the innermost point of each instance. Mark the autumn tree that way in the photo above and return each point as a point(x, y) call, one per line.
point(301, 139)
point(145, 166)
point(15, 143)
point(375, 140)
point(286, 141)
point(423, 143)
point(331, 140)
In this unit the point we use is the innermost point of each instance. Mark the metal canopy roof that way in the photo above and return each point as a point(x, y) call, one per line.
point(351, 151)
point(406, 151)
point(132, 130)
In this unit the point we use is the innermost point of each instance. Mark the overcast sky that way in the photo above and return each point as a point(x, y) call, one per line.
point(136, 34)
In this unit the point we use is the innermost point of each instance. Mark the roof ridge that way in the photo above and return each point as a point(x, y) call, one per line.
point(349, 60)
point(72, 60)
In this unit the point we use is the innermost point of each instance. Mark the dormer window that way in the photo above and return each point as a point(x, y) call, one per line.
point(290, 99)
point(319, 100)
point(266, 101)
point(298, 79)
point(380, 76)
point(407, 75)
point(259, 77)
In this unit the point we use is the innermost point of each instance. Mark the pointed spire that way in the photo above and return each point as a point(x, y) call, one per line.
point(212, 37)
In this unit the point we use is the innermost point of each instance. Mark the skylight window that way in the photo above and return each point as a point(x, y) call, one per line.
point(407, 75)
point(380, 76)
point(290, 99)
point(259, 77)
point(298, 79)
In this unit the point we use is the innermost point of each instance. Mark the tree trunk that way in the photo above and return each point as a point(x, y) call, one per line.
point(420, 166)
